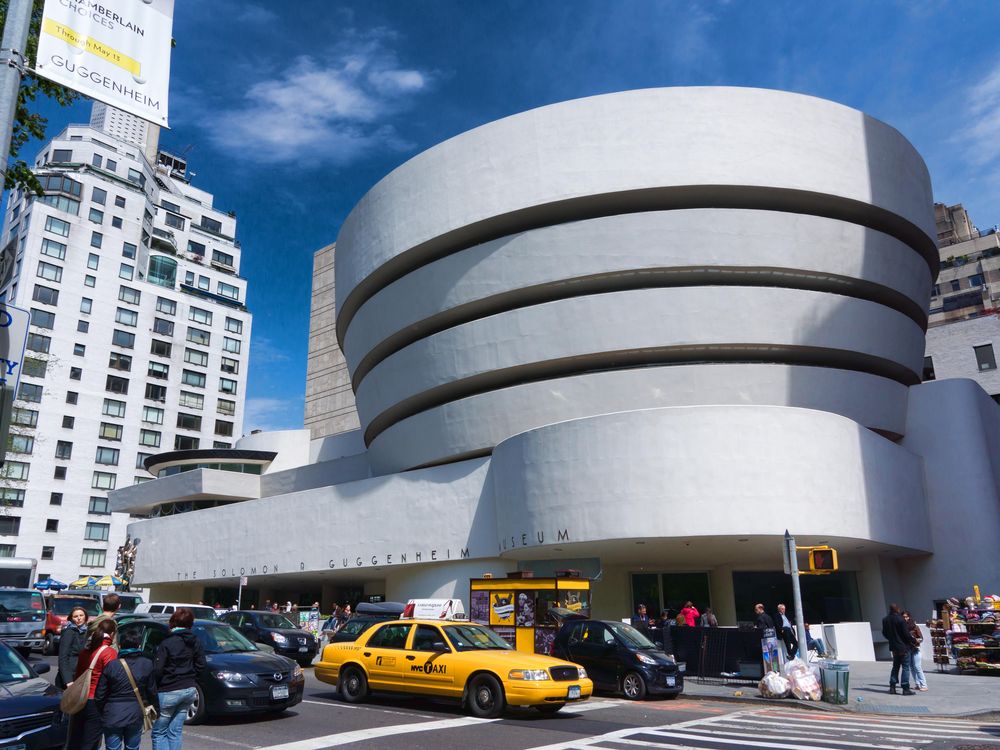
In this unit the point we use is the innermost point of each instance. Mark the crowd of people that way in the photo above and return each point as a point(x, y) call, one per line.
point(123, 681)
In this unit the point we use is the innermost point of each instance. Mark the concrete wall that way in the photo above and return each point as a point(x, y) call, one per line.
point(951, 347)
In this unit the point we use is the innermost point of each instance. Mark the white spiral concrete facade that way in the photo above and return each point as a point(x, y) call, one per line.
point(650, 241)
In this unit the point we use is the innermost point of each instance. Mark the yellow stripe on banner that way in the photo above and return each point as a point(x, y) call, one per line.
point(72, 37)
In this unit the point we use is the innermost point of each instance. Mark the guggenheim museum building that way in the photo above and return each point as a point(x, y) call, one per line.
point(638, 336)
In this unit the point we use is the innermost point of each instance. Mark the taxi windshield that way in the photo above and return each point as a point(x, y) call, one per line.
point(473, 637)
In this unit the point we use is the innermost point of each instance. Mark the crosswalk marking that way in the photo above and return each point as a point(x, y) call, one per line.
point(346, 738)
point(866, 728)
point(827, 737)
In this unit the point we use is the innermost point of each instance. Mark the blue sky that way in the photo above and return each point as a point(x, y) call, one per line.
point(290, 111)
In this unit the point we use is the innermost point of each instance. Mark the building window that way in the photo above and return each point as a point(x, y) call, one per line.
point(150, 438)
point(75, 373)
point(96, 239)
point(196, 248)
point(62, 155)
point(64, 450)
point(120, 201)
point(45, 294)
point(39, 343)
point(158, 370)
point(68, 422)
point(24, 417)
point(103, 480)
point(166, 306)
point(231, 345)
point(10, 525)
point(123, 339)
point(134, 175)
point(9, 550)
point(125, 271)
point(110, 430)
point(225, 406)
point(89, 280)
point(188, 421)
point(86, 305)
point(198, 336)
point(43, 318)
point(162, 271)
point(192, 400)
point(52, 525)
point(140, 460)
point(34, 368)
point(20, 444)
point(223, 428)
point(99, 196)
point(234, 326)
point(116, 223)
point(49, 271)
point(93, 261)
point(55, 498)
point(119, 361)
point(11, 498)
point(116, 385)
point(928, 369)
point(185, 443)
point(152, 414)
point(126, 317)
point(985, 357)
point(107, 456)
point(200, 316)
point(210, 224)
point(160, 348)
point(79, 350)
point(129, 295)
point(128, 250)
point(196, 357)
point(163, 327)
point(203, 283)
point(99, 506)
point(72, 397)
point(113, 408)
point(231, 366)
point(227, 386)
point(97, 217)
point(82, 326)
point(59, 473)
point(188, 377)
point(97, 160)
point(956, 285)
point(228, 290)
point(223, 259)
point(156, 392)
point(15, 470)
point(92, 558)
point(33, 393)
point(48, 553)
point(57, 226)
point(112, 166)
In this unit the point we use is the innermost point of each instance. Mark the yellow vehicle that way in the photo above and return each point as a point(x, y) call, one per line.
point(451, 659)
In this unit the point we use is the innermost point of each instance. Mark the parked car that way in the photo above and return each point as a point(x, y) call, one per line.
point(275, 630)
point(619, 658)
point(451, 659)
point(30, 718)
point(22, 619)
point(59, 607)
point(129, 601)
point(163, 610)
point(240, 678)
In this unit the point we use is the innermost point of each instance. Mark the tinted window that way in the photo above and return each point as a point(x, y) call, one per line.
point(221, 639)
point(426, 637)
point(389, 636)
point(472, 637)
point(64, 606)
point(274, 621)
point(129, 603)
point(12, 667)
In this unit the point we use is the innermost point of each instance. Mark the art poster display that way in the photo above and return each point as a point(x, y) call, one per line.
point(502, 608)
point(479, 607)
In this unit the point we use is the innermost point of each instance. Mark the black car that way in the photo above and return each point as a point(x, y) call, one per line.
point(240, 678)
point(276, 631)
point(618, 657)
point(30, 718)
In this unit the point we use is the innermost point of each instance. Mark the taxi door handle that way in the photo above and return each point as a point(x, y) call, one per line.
point(368, 653)
point(410, 657)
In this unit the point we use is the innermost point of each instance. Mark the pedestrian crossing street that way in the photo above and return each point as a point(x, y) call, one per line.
point(775, 729)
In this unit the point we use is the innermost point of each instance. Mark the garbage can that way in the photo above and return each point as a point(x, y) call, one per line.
point(836, 677)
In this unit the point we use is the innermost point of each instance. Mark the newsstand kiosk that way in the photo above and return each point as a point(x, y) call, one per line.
point(526, 611)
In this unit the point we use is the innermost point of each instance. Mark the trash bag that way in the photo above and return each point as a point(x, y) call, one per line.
point(803, 680)
point(773, 685)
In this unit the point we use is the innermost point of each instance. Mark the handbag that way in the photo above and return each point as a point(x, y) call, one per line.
point(148, 712)
point(75, 696)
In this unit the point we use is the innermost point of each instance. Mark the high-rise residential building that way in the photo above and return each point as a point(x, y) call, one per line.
point(139, 338)
point(953, 224)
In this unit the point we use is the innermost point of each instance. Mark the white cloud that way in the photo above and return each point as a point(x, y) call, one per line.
point(263, 351)
point(979, 138)
point(330, 111)
point(271, 414)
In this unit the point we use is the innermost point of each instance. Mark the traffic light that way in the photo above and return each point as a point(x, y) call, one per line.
point(822, 560)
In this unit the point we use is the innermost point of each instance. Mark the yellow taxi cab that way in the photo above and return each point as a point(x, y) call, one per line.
point(451, 659)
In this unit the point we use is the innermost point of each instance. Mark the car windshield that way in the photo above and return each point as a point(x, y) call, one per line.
point(472, 637)
point(221, 639)
point(630, 636)
point(129, 603)
point(16, 605)
point(62, 606)
point(275, 621)
point(203, 613)
point(12, 666)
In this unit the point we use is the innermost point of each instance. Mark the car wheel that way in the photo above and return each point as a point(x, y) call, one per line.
point(49, 648)
point(353, 685)
point(634, 686)
point(551, 708)
point(196, 711)
point(486, 699)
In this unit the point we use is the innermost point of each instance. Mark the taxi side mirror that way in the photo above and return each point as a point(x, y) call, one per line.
point(439, 647)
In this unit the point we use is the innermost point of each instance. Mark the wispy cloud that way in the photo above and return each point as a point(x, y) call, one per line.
point(979, 138)
point(328, 110)
point(263, 351)
point(271, 414)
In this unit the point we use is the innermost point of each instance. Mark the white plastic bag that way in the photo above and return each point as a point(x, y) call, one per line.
point(803, 681)
point(773, 685)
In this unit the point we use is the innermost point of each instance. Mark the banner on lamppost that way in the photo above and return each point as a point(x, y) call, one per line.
point(114, 51)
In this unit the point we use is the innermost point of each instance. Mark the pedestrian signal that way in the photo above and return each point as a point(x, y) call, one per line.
point(822, 560)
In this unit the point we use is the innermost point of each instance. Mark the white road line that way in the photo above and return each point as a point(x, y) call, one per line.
point(748, 737)
point(210, 738)
point(620, 734)
point(715, 732)
point(866, 728)
point(885, 719)
point(349, 706)
point(360, 735)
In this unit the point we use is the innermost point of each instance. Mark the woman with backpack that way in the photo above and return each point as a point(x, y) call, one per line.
point(72, 639)
point(85, 727)
point(179, 659)
point(123, 693)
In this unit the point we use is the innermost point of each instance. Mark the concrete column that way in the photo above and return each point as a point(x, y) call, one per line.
point(611, 597)
point(720, 581)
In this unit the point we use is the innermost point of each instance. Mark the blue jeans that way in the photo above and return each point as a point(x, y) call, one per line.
point(917, 669)
point(115, 737)
point(901, 658)
point(173, 712)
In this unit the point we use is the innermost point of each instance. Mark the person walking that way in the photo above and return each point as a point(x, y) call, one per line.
point(690, 614)
point(85, 727)
point(900, 644)
point(179, 659)
point(786, 632)
point(72, 639)
point(121, 712)
point(708, 619)
point(916, 667)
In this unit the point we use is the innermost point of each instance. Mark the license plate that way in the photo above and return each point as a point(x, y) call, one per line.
point(279, 692)
point(19, 746)
point(671, 680)
point(574, 692)
point(303, 649)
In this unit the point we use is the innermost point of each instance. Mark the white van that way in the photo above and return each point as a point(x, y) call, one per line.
point(163, 610)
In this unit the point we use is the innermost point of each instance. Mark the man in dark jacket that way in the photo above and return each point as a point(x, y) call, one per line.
point(121, 713)
point(900, 644)
point(641, 620)
point(786, 631)
point(763, 621)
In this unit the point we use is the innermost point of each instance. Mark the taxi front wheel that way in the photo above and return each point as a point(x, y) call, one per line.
point(353, 685)
point(486, 699)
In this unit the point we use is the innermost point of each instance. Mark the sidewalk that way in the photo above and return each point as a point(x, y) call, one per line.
point(949, 694)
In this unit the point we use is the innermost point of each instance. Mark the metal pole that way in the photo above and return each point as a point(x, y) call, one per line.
point(800, 622)
point(239, 595)
point(15, 40)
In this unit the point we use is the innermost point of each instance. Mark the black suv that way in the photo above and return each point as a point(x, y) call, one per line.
point(618, 657)
point(276, 631)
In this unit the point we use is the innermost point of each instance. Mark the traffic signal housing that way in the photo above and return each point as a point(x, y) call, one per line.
point(822, 560)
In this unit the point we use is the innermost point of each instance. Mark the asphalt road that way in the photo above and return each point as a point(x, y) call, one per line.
point(322, 720)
